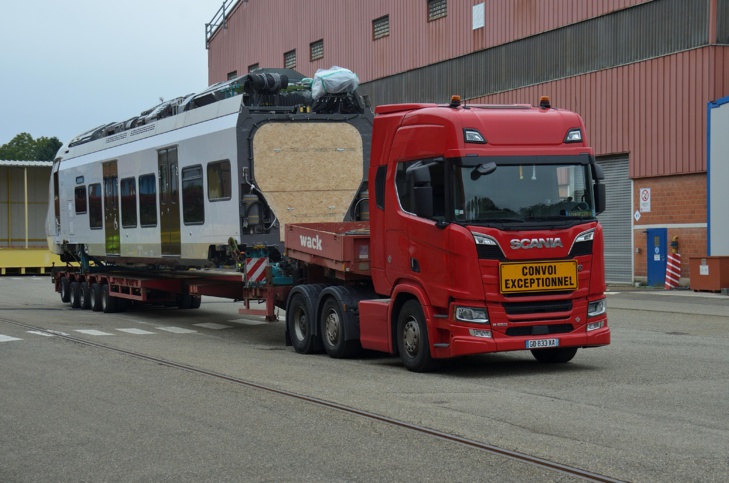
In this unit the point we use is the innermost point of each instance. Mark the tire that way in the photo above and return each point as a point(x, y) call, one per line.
point(95, 297)
point(195, 301)
point(333, 331)
point(65, 290)
point(184, 301)
point(84, 295)
point(412, 339)
point(108, 303)
point(75, 295)
point(299, 324)
point(558, 355)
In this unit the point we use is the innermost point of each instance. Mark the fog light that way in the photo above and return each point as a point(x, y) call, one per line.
point(595, 325)
point(480, 333)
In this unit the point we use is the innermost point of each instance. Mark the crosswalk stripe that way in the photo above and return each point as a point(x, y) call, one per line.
point(212, 325)
point(177, 330)
point(136, 331)
point(92, 332)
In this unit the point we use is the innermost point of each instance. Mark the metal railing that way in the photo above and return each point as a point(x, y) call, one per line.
point(220, 19)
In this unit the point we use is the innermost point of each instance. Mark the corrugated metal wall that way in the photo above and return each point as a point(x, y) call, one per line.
point(261, 31)
point(656, 110)
point(643, 32)
point(617, 220)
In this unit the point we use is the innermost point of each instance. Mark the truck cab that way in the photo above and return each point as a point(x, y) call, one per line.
point(484, 233)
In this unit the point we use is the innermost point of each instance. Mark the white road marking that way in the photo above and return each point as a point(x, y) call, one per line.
point(248, 322)
point(92, 332)
point(7, 338)
point(40, 332)
point(212, 325)
point(136, 331)
point(177, 330)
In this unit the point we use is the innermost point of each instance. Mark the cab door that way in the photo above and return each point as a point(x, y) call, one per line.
point(169, 202)
point(111, 208)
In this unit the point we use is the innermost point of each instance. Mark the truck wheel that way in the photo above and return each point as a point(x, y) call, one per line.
point(184, 301)
point(95, 297)
point(75, 295)
point(65, 290)
point(84, 295)
point(555, 356)
point(412, 338)
point(195, 301)
point(333, 331)
point(298, 322)
point(108, 303)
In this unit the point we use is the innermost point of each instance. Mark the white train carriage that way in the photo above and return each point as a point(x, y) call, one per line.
point(175, 185)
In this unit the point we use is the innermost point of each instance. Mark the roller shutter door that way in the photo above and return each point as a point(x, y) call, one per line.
point(617, 220)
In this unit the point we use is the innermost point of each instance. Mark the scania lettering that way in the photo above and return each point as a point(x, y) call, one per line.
point(527, 243)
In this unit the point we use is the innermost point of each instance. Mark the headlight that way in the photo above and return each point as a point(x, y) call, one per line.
point(596, 308)
point(482, 239)
point(473, 315)
point(585, 236)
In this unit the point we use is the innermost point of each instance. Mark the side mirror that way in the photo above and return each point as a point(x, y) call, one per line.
point(600, 203)
point(597, 172)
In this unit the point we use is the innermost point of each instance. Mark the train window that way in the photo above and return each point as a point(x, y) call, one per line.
point(193, 196)
point(96, 214)
point(80, 198)
point(147, 201)
point(219, 181)
point(129, 203)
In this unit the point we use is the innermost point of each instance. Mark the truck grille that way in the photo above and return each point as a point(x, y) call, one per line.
point(539, 330)
point(582, 248)
point(489, 252)
point(521, 308)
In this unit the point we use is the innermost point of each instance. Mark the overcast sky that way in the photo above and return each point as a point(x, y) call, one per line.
point(67, 66)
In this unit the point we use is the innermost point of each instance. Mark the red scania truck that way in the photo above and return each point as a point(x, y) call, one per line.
point(482, 237)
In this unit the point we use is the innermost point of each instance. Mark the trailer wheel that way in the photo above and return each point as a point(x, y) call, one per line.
point(108, 303)
point(195, 301)
point(84, 295)
point(95, 297)
point(184, 301)
point(412, 338)
point(555, 356)
point(333, 331)
point(75, 295)
point(65, 290)
point(298, 321)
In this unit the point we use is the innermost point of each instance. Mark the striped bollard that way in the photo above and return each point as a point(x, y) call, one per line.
point(673, 270)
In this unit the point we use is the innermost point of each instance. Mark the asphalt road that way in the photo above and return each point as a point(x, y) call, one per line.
point(652, 406)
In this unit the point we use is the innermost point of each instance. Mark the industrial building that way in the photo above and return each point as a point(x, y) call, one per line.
point(640, 73)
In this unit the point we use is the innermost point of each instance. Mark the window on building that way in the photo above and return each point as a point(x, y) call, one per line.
point(96, 213)
point(193, 198)
point(147, 201)
point(478, 15)
point(219, 184)
point(437, 9)
point(381, 27)
point(253, 67)
point(129, 203)
point(80, 198)
point(317, 49)
point(232, 75)
point(290, 59)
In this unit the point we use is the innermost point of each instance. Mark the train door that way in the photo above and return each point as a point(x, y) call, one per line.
point(111, 208)
point(169, 201)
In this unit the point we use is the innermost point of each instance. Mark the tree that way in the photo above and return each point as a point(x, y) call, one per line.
point(24, 148)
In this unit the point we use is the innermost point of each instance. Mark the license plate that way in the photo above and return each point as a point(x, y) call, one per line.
point(538, 276)
point(541, 343)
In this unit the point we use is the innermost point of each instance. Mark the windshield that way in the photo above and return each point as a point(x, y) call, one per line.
point(519, 189)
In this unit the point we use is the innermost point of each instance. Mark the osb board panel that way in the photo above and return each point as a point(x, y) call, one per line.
point(308, 172)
